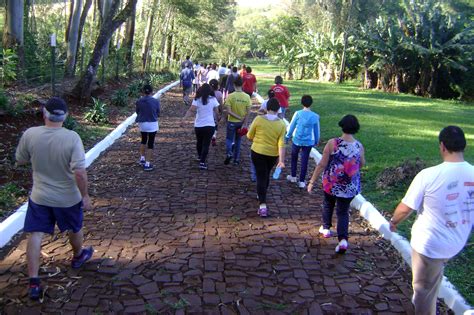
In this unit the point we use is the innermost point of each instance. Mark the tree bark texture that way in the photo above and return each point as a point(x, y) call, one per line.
point(148, 35)
point(128, 42)
point(73, 38)
point(110, 23)
point(13, 30)
point(82, 22)
point(68, 26)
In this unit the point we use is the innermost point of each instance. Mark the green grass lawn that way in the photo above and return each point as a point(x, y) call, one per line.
point(394, 128)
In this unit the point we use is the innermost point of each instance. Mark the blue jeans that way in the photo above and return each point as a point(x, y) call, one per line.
point(233, 138)
point(305, 151)
point(342, 212)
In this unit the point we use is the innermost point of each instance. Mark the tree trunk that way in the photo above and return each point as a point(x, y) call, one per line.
point(109, 25)
point(128, 42)
point(13, 30)
point(82, 22)
point(344, 51)
point(68, 26)
point(148, 34)
point(73, 38)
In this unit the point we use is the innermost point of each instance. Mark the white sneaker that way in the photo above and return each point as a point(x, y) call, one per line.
point(342, 247)
point(326, 233)
point(301, 184)
point(291, 179)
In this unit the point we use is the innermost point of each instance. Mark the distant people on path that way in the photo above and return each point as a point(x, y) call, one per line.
point(250, 82)
point(267, 133)
point(202, 75)
point(148, 111)
point(229, 87)
point(304, 132)
point(196, 70)
point(341, 162)
point(237, 106)
point(213, 74)
point(281, 93)
point(187, 63)
point(59, 192)
point(263, 107)
point(186, 79)
point(443, 197)
point(220, 99)
point(222, 71)
point(205, 107)
point(243, 70)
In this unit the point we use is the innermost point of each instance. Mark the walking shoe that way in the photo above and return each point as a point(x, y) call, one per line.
point(213, 141)
point(301, 185)
point(202, 166)
point(148, 168)
point(263, 212)
point(35, 291)
point(227, 159)
point(85, 255)
point(342, 246)
point(325, 232)
point(142, 162)
point(291, 179)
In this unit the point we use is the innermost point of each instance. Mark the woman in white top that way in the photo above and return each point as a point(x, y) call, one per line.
point(205, 107)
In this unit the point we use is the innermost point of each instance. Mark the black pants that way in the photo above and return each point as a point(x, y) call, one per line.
point(203, 140)
point(263, 168)
point(148, 138)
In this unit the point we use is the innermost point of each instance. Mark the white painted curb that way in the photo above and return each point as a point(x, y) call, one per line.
point(14, 223)
point(447, 291)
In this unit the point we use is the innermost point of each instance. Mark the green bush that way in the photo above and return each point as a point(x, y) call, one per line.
point(70, 123)
point(135, 88)
point(4, 102)
point(8, 66)
point(97, 113)
point(8, 195)
point(120, 98)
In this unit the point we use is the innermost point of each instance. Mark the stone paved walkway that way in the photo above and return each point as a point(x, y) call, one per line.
point(179, 240)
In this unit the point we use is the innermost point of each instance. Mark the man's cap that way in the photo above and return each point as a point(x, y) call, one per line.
point(56, 106)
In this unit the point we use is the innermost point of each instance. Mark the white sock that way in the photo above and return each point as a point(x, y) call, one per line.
point(142, 158)
point(147, 163)
point(263, 205)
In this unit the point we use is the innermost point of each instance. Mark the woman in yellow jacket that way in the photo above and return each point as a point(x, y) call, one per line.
point(267, 134)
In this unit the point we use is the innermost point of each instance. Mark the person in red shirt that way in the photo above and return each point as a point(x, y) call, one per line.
point(243, 70)
point(250, 82)
point(281, 93)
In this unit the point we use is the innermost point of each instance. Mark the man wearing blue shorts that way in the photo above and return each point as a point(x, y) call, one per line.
point(59, 192)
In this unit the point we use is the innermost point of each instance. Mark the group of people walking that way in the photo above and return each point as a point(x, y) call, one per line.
point(442, 195)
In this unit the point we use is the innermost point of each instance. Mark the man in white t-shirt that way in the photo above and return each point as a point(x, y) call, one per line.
point(443, 196)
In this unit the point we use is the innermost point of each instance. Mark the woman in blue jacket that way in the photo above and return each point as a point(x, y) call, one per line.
point(148, 111)
point(304, 128)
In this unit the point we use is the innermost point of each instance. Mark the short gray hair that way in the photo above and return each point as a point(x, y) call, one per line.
point(53, 117)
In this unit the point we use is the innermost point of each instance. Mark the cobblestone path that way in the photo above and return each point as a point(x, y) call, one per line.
point(180, 240)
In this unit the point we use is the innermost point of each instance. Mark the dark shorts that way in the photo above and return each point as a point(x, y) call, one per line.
point(43, 218)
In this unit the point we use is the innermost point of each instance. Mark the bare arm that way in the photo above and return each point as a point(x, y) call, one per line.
point(81, 182)
point(190, 112)
point(321, 165)
point(362, 157)
point(401, 213)
point(229, 112)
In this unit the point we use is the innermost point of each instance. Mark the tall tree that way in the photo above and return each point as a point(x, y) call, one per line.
point(129, 41)
point(148, 34)
point(110, 23)
point(82, 22)
point(13, 30)
point(73, 37)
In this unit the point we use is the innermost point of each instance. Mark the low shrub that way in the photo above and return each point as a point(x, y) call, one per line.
point(98, 112)
point(135, 88)
point(8, 195)
point(70, 123)
point(120, 98)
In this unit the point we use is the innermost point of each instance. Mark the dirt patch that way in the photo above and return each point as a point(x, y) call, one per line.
point(405, 172)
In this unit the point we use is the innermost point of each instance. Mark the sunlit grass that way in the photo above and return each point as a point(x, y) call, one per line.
point(394, 128)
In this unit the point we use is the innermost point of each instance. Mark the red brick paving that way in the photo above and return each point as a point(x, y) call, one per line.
point(179, 240)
